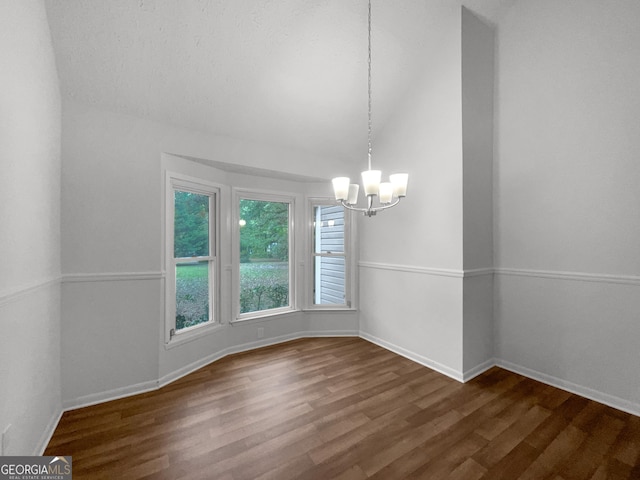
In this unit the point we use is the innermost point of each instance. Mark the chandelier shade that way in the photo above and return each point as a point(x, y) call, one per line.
point(388, 193)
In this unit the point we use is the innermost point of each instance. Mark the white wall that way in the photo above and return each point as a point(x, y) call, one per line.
point(415, 295)
point(424, 138)
point(411, 256)
point(110, 225)
point(29, 229)
point(567, 223)
point(112, 258)
point(565, 229)
point(477, 182)
point(477, 141)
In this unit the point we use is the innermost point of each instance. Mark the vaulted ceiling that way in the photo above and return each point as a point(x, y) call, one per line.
point(286, 72)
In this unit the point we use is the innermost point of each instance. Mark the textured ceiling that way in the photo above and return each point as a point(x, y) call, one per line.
point(284, 72)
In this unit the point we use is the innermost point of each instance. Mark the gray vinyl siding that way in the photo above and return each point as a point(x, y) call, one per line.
point(331, 269)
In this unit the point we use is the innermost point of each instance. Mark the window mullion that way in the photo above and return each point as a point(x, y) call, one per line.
point(194, 259)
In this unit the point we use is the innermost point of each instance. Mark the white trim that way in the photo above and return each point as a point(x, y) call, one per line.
point(48, 432)
point(265, 342)
point(427, 362)
point(349, 254)
point(111, 277)
point(595, 395)
point(151, 385)
point(519, 272)
point(575, 276)
point(109, 395)
point(291, 199)
point(175, 182)
point(329, 309)
point(586, 392)
point(192, 367)
point(478, 272)
point(92, 399)
point(11, 295)
point(478, 370)
point(192, 333)
point(442, 272)
point(260, 315)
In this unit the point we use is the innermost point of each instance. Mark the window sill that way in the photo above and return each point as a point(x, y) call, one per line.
point(190, 336)
point(330, 310)
point(264, 316)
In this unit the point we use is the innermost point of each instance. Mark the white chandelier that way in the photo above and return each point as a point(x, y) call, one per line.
point(388, 193)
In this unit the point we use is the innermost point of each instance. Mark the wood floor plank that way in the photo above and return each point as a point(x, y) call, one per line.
point(565, 444)
point(513, 464)
point(503, 444)
point(344, 408)
point(453, 460)
point(468, 470)
point(406, 441)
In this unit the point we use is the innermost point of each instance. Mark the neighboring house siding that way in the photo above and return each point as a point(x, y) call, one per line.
point(332, 269)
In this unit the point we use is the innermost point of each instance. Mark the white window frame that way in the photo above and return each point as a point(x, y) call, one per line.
point(349, 258)
point(250, 194)
point(178, 182)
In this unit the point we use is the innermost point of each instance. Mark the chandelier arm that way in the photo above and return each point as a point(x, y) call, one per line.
point(369, 211)
point(386, 205)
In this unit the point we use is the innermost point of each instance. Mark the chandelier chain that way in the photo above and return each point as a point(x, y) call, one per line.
point(369, 84)
point(389, 193)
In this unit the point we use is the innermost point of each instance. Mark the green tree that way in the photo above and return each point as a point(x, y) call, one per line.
point(266, 230)
point(191, 224)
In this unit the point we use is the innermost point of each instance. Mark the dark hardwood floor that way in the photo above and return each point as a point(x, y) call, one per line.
point(344, 408)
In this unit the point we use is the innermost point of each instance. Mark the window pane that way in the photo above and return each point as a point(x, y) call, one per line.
point(264, 255)
point(192, 294)
point(329, 271)
point(329, 280)
point(191, 225)
point(329, 231)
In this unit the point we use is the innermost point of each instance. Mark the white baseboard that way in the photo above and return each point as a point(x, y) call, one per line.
point(108, 395)
point(87, 400)
point(427, 362)
point(265, 342)
point(203, 362)
point(478, 370)
point(130, 390)
point(595, 395)
point(45, 438)
point(586, 392)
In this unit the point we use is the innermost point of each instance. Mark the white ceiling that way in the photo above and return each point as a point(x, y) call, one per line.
point(285, 72)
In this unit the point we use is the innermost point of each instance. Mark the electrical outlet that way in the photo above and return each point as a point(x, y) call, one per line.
point(260, 332)
point(4, 441)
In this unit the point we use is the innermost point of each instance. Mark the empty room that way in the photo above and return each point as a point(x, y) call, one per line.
point(317, 239)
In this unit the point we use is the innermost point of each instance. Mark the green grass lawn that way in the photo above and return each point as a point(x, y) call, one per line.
point(192, 271)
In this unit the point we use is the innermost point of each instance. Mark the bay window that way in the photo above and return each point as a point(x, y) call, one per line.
point(192, 270)
point(234, 253)
point(330, 249)
point(266, 256)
